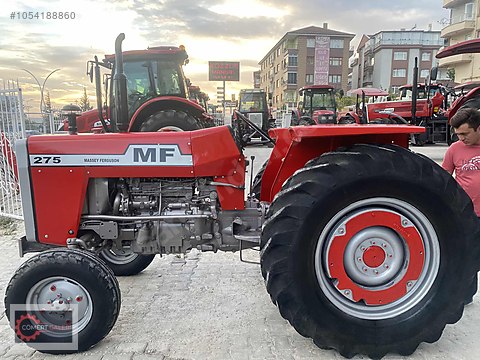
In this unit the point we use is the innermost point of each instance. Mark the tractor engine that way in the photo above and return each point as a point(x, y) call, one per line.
point(163, 216)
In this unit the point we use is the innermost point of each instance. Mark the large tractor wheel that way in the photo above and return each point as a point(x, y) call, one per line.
point(170, 120)
point(370, 250)
point(52, 284)
point(125, 262)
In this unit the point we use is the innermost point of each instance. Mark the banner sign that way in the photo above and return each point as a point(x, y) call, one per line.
point(223, 71)
point(322, 60)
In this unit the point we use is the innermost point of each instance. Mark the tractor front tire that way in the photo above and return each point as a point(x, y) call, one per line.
point(47, 285)
point(257, 181)
point(170, 120)
point(370, 250)
point(125, 263)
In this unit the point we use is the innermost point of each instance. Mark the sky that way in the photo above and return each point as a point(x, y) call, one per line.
point(213, 30)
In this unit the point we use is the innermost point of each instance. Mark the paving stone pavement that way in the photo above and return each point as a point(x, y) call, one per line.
point(209, 306)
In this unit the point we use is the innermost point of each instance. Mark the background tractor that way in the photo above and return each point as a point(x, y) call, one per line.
point(318, 106)
point(157, 93)
point(366, 247)
point(469, 98)
point(253, 105)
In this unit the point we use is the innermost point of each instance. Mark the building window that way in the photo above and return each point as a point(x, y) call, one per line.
point(292, 78)
point(335, 79)
point(292, 60)
point(310, 60)
point(278, 83)
point(309, 79)
point(426, 56)
point(424, 73)
point(469, 11)
point(278, 51)
point(399, 73)
point(336, 44)
point(310, 43)
point(395, 90)
point(336, 61)
point(400, 55)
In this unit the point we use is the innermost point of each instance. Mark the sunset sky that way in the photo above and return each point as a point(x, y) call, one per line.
point(213, 30)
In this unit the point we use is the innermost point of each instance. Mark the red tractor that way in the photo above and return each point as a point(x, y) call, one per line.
point(318, 106)
point(157, 93)
point(471, 97)
point(366, 247)
point(198, 96)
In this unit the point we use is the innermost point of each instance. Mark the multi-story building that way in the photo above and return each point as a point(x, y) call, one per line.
point(386, 59)
point(464, 24)
point(309, 56)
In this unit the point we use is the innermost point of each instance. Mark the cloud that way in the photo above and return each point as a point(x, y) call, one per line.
point(228, 30)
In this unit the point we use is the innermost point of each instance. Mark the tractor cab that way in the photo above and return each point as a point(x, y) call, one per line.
point(155, 84)
point(318, 106)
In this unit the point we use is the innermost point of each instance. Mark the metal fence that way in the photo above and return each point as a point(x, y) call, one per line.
point(12, 127)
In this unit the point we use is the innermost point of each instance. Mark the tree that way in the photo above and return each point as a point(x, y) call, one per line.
point(451, 73)
point(48, 103)
point(84, 102)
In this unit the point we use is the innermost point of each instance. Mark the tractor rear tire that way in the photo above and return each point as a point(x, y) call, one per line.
point(370, 250)
point(170, 120)
point(126, 264)
point(47, 284)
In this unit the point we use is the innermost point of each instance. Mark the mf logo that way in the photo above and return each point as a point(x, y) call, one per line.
point(151, 154)
point(158, 154)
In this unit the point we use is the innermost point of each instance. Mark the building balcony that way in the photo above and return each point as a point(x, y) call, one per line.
point(455, 59)
point(461, 27)
point(448, 4)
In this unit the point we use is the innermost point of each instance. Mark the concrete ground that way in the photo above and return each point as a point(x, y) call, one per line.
point(212, 306)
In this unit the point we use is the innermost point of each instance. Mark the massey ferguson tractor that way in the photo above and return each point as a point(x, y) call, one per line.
point(366, 247)
point(157, 93)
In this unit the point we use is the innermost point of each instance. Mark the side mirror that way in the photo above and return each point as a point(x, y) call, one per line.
point(300, 93)
point(434, 73)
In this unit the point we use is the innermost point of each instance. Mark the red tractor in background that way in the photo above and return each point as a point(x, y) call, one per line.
point(365, 97)
point(157, 93)
point(318, 106)
point(198, 96)
point(469, 98)
point(366, 247)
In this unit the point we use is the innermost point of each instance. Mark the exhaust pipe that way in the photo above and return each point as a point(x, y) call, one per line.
point(98, 90)
point(120, 118)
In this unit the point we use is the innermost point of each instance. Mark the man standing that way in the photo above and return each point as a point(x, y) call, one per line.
point(463, 158)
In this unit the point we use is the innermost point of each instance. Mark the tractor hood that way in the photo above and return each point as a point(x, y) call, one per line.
point(464, 47)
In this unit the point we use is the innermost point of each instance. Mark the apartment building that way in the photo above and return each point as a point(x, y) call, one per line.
point(386, 59)
point(309, 56)
point(463, 24)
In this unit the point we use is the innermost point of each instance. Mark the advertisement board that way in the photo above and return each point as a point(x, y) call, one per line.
point(223, 71)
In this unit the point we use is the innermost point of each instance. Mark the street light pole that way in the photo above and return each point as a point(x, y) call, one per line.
point(41, 87)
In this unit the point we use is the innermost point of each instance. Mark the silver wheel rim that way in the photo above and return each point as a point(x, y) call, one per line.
point(53, 296)
point(119, 257)
point(390, 270)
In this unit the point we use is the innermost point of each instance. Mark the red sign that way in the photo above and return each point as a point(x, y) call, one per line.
point(223, 71)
